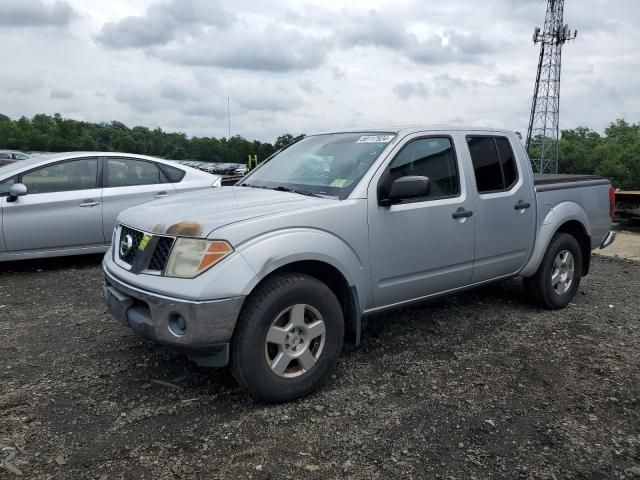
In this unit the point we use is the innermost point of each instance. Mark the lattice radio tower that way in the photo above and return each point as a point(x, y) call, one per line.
point(544, 124)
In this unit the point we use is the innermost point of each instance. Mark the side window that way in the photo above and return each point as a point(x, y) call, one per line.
point(173, 174)
point(494, 163)
point(63, 177)
point(433, 158)
point(508, 161)
point(125, 172)
point(5, 185)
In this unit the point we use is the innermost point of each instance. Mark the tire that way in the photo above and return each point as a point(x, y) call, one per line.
point(290, 309)
point(540, 287)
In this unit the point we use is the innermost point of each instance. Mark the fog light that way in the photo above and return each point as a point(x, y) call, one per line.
point(177, 325)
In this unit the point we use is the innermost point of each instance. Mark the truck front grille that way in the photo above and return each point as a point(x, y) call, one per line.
point(127, 255)
point(160, 254)
point(153, 258)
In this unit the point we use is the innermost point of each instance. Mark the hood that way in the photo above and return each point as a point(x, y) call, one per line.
point(199, 213)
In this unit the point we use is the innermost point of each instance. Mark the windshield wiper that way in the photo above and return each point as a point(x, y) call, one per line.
point(252, 186)
point(280, 188)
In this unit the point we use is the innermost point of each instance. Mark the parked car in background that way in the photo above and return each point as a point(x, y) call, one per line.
point(10, 156)
point(273, 275)
point(67, 203)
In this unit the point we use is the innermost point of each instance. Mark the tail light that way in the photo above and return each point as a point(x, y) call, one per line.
point(612, 201)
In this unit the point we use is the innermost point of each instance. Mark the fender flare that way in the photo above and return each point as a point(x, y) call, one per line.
point(554, 218)
point(266, 254)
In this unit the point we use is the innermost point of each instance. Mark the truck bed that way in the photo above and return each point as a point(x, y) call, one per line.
point(554, 181)
point(582, 196)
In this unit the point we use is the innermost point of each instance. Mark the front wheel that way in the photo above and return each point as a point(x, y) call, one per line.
point(555, 283)
point(288, 338)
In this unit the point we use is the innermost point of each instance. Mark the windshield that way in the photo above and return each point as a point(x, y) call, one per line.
point(322, 165)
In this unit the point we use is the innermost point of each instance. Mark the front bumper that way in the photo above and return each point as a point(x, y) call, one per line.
point(208, 325)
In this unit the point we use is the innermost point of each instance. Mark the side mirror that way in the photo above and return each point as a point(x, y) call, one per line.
point(407, 187)
point(16, 190)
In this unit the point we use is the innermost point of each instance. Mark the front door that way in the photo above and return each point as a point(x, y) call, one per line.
point(425, 245)
point(129, 182)
point(62, 208)
point(505, 208)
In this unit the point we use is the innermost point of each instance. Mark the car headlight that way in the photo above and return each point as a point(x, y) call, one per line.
point(192, 256)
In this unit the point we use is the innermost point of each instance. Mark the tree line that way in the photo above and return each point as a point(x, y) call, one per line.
point(615, 154)
point(45, 133)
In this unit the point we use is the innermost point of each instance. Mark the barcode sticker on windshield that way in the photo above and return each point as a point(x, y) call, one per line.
point(375, 139)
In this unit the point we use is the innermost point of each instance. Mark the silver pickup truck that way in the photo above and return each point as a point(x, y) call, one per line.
point(273, 276)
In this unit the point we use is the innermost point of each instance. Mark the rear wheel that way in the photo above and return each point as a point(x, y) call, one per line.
point(288, 338)
point(555, 283)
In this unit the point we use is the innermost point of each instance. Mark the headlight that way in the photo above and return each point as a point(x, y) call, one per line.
point(192, 256)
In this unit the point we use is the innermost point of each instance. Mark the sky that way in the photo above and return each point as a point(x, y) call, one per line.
point(308, 66)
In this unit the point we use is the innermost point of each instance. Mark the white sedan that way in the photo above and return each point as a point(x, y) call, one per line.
point(67, 203)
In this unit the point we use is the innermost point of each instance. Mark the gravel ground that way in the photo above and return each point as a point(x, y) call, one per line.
point(476, 386)
point(627, 244)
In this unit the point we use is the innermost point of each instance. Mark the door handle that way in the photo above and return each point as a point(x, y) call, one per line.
point(161, 194)
point(89, 203)
point(462, 213)
point(521, 205)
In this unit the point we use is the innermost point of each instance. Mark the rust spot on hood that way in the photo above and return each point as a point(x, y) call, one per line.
point(186, 229)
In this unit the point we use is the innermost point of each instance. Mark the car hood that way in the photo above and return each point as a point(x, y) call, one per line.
point(199, 213)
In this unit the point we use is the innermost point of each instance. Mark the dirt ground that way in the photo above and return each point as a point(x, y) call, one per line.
point(627, 244)
point(476, 386)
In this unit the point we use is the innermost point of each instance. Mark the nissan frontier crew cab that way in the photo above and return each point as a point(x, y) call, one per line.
point(272, 276)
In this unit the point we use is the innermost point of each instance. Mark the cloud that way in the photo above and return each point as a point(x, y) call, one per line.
point(21, 84)
point(445, 84)
point(175, 95)
point(206, 110)
point(34, 13)
point(164, 22)
point(506, 80)
point(61, 94)
point(406, 90)
point(450, 47)
point(373, 29)
point(175, 92)
point(272, 102)
point(309, 86)
point(272, 50)
point(175, 63)
point(377, 29)
point(140, 101)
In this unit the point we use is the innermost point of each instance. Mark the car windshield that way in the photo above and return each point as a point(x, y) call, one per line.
point(321, 165)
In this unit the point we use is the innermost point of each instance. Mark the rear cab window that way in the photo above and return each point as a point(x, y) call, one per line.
point(494, 163)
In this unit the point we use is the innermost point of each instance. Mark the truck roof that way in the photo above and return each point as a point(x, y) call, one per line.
point(409, 129)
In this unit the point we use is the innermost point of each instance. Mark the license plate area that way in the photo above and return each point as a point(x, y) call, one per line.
point(117, 304)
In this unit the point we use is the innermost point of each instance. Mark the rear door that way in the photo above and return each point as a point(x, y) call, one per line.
point(129, 182)
point(62, 208)
point(505, 208)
